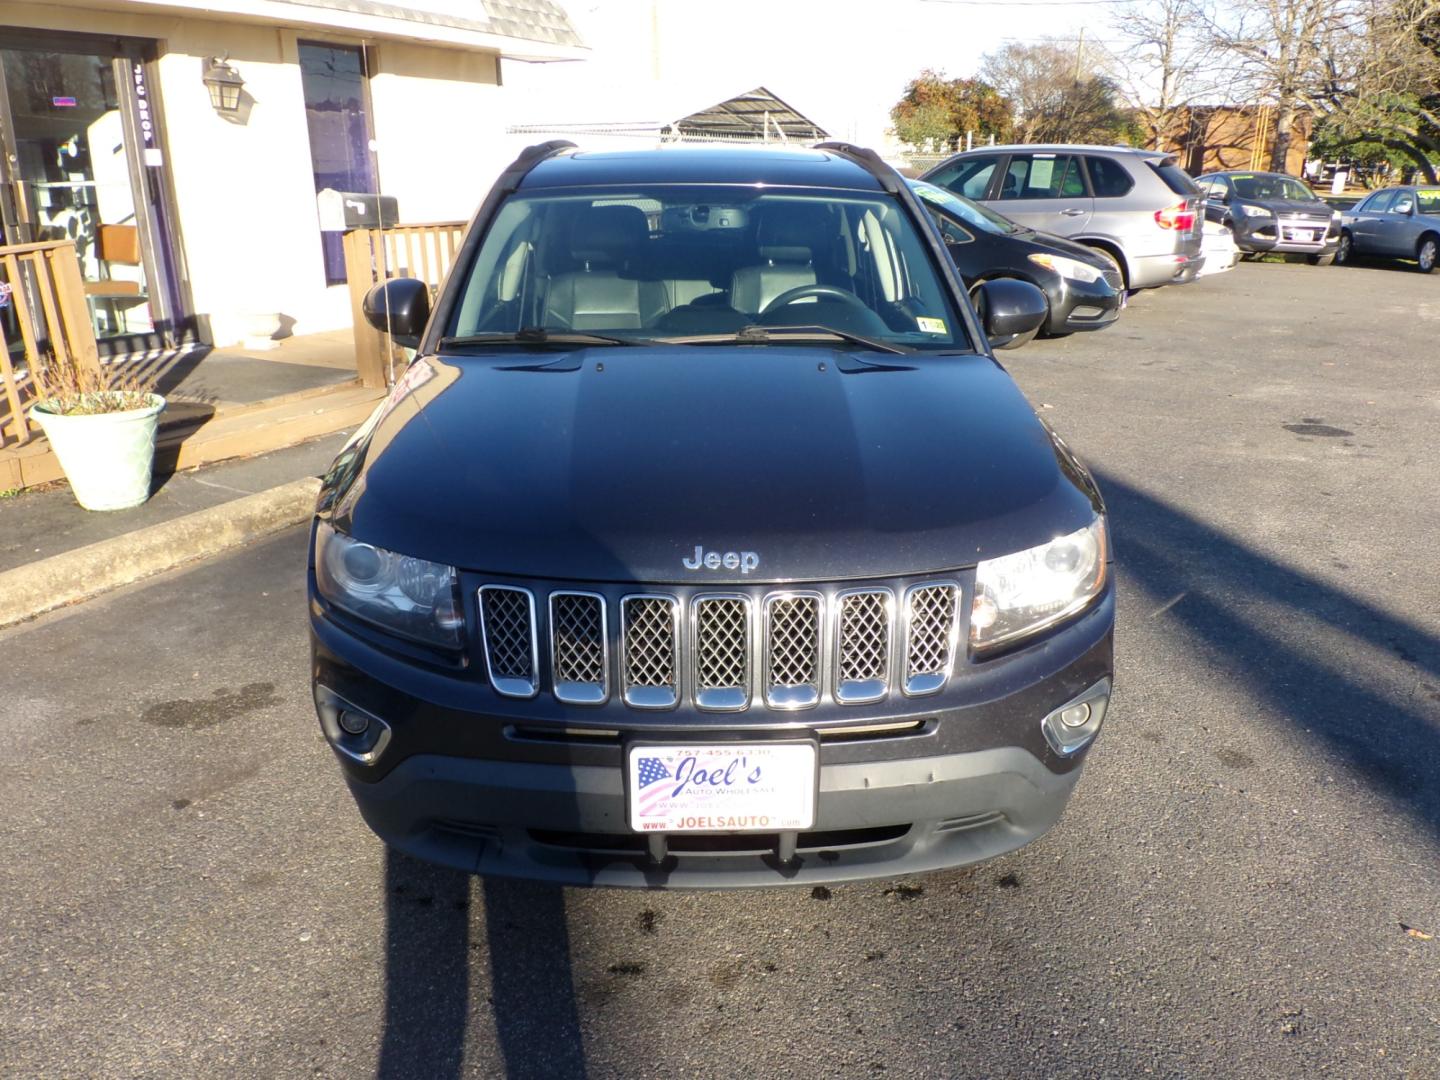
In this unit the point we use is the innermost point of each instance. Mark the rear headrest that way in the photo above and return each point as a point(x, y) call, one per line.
point(608, 235)
point(791, 233)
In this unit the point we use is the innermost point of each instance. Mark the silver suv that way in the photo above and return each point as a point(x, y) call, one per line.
point(1137, 207)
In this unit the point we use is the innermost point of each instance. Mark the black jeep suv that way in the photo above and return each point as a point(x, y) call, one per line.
point(705, 543)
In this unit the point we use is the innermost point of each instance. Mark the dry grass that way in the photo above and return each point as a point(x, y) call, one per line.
point(72, 389)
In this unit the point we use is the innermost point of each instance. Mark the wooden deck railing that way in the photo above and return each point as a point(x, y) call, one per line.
point(46, 311)
point(425, 252)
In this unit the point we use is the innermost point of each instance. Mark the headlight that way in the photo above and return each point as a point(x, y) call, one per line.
point(1253, 211)
point(1070, 268)
point(1019, 594)
point(402, 594)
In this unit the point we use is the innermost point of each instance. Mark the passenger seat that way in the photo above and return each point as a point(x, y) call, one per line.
point(607, 242)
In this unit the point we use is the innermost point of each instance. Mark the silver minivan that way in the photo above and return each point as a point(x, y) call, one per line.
point(1137, 207)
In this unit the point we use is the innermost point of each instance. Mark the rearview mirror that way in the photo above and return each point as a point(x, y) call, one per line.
point(400, 307)
point(1010, 309)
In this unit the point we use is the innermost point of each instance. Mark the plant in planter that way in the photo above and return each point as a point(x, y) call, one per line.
point(101, 423)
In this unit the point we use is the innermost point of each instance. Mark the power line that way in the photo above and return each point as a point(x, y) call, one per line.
point(1026, 3)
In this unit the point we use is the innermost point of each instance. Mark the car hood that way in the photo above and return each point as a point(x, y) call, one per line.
point(1288, 207)
point(617, 464)
point(1069, 248)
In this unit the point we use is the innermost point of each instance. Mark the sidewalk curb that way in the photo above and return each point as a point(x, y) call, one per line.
point(38, 587)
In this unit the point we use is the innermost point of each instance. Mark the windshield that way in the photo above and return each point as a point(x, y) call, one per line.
point(1429, 200)
point(655, 262)
point(1271, 186)
point(971, 213)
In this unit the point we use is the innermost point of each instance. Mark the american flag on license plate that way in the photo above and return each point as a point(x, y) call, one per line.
point(651, 774)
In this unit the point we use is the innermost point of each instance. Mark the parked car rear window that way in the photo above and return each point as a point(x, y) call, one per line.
point(1042, 176)
point(969, 177)
point(1378, 203)
point(1176, 178)
point(677, 260)
point(974, 214)
point(1213, 187)
point(1108, 179)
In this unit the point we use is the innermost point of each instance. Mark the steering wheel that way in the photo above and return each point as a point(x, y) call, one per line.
point(801, 292)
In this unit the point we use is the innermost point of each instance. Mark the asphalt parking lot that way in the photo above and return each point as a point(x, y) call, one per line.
point(1247, 883)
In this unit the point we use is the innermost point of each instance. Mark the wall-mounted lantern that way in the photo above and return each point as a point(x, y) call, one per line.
point(224, 84)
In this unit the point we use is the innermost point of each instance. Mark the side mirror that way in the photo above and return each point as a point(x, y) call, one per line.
point(400, 307)
point(1010, 309)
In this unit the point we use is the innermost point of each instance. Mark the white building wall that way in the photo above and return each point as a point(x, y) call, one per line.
point(439, 129)
point(244, 187)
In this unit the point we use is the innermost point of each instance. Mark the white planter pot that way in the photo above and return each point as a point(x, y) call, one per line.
point(107, 457)
point(259, 331)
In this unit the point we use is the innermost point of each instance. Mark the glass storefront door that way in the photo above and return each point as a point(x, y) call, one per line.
point(70, 169)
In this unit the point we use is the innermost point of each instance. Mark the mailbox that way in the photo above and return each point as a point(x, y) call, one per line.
point(341, 210)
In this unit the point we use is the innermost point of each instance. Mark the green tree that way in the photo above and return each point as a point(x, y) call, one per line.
point(935, 112)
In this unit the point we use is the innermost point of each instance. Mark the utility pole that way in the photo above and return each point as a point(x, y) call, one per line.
point(1079, 54)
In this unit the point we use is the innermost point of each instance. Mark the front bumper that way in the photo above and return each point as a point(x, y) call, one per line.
point(1080, 305)
point(1257, 236)
point(565, 824)
point(512, 789)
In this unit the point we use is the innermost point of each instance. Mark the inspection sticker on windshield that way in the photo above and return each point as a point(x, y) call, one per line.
point(729, 787)
point(930, 326)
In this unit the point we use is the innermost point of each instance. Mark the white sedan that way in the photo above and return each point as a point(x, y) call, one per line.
point(1218, 247)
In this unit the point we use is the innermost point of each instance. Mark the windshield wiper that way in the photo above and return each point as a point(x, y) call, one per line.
point(764, 335)
point(539, 336)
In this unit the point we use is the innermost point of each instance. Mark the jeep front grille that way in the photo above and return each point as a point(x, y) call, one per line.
point(930, 639)
point(507, 624)
point(788, 648)
point(579, 650)
point(862, 653)
point(649, 651)
point(720, 644)
point(792, 650)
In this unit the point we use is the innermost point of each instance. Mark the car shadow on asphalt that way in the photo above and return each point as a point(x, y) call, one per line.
point(430, 949)
point(1252, 615)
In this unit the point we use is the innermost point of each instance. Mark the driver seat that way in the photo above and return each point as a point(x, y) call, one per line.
point(786, 238)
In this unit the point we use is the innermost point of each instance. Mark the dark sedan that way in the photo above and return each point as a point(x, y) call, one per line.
point(1397, 223)
point(1083, 289)
point(1272, 212)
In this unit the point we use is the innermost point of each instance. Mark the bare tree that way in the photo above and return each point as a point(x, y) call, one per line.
point(1057, 97)
point(1294, 53)
point(1165, 63)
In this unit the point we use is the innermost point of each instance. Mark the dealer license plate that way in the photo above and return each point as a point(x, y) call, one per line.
point(728, 787)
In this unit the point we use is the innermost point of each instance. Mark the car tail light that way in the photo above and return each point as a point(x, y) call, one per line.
point(1181, 216)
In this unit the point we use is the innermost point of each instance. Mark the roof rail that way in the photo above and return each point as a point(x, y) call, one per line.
point(868, 160)
point(527, 159)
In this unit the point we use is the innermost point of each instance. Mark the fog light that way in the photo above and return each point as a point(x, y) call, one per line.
point(1072, 727)
point(359, 735)
point(356, 723)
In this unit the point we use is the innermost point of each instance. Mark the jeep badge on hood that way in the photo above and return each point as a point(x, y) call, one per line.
point(744, 561)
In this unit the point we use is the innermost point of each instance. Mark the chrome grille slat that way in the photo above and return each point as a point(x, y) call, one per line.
point(792, 650)
point(579, 648)
point(720, 640)
point(850, 646)
point(507, 626)
point(649, 656)
point(931, 624)
point(864, 618)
